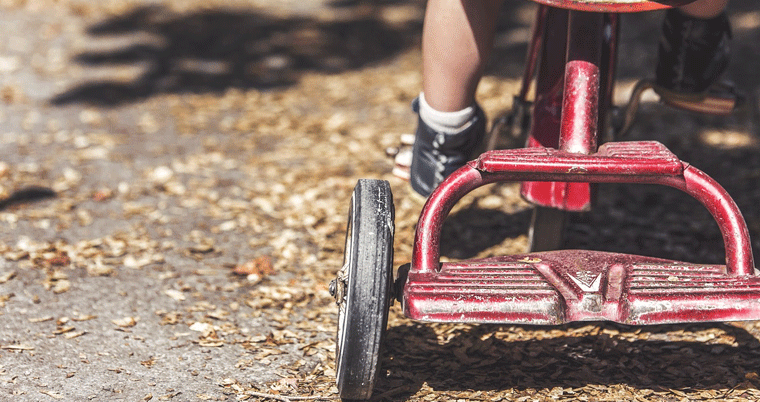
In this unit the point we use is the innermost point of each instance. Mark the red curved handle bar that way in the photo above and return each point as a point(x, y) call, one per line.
point(739, 259)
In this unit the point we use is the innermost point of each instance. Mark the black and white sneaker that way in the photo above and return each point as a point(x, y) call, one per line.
point(436, 155)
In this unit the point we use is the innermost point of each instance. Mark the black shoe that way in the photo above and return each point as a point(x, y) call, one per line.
point(436, 155)
point(693, 54)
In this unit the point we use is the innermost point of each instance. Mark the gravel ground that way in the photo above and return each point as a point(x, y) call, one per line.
point(175, 178)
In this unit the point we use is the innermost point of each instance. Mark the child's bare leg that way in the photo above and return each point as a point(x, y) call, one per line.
point(456, 41)
point(457, 38)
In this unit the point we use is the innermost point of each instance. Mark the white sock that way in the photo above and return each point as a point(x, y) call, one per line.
point(445, 122)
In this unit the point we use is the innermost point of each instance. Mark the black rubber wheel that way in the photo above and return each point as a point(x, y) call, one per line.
point(363, 288)
point(547, 229)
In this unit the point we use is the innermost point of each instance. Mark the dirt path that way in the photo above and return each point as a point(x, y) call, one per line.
point(176, 177)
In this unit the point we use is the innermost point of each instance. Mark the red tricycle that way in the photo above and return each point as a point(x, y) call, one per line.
point(571, 63)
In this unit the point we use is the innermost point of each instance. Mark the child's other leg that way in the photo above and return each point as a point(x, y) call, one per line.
point(704, 9)
point(457, 39)
point(694, 49)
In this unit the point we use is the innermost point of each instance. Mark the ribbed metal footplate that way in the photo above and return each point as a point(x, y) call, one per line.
point(574, 285)
point(633, 158)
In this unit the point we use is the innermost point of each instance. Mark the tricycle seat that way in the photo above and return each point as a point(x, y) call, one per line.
point(614, 6)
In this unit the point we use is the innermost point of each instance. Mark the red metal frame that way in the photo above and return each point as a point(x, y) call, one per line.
point(570, 81)
point(614, 6)
point(572, 54)
point(547, 108)
point(580, 105)
point(550, 288)
point(645, 162)
point(562, 286)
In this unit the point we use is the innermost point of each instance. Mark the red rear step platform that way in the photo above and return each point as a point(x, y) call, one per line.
point(576, 285)
point(557, 287)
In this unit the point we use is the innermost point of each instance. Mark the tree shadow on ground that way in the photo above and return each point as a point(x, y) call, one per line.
point(478, 359)
point(471, 230)
point(217, 49)
point(213, 50)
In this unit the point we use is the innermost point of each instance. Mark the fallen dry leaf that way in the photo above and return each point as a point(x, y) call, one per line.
point(63, 330)
point(202, 248)
point(5, 277)
point(149, 363)
point(42, 319)
point(85, 317)
point(52, 394)
point(210, 343)
point(206, 329)
point(61, 286)
point(72, 335)
point(261, 266)
point(126, 322)
point(175, 294)
point(17, 347)
point(102, 195)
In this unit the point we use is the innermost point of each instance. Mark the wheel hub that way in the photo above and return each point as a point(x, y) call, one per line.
point(338, 285)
